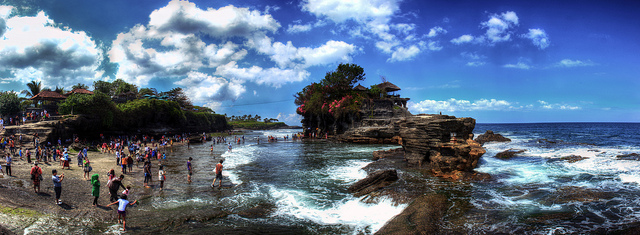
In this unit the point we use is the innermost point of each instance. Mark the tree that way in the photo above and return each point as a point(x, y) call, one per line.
point(102, 87)
point(177, 95)
point(9, 103)
point(119, 86)
point(148, 91)
point(59, 90)
point(80, 86)
point(34, 89)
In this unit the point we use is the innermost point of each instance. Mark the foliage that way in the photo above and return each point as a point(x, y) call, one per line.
point(116, 87)
point(375, 91)
point(147, 91)
point(334, 95)
point(34, 89)
point(80, 86)
point(9, 103)
point(177, 95)
point(59, 90)
point(245, 117)
point(96, 104)
point(148, 112)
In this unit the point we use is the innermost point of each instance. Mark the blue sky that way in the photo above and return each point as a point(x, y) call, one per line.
point(496, 61)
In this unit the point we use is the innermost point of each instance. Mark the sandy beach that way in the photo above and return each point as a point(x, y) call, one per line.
point(21, 207)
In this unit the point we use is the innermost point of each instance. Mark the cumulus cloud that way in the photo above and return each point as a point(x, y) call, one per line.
point(574, 63)
point(290, 119)
point(181, 41)
point(519, 65)
point(435, 31)
point(538, 37)
point(453, 105)
point(373, 22)
point(498, 26)
point(32, 48)
point(462, 39)
point(297, 28)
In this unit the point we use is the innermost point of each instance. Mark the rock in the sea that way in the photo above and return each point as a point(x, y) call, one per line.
point(463, 175)
point(572, 158)
point(380, 154)
point(631, 156)
point(507, 154)
point(373, 182)
point(489, 136)
point(422, 216)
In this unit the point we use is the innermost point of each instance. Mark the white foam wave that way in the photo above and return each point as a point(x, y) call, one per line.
point(366, 218)
point(350, 172)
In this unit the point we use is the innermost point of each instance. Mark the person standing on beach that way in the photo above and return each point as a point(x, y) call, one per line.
point(86, 167)
point(161, 176)
point(122, 210)
point(147, 173)
point(9, 160)
point(113, 186)
point(36, 174)
point(57, 184)
point(189, 169)
point(218, 174)
point(95, 190)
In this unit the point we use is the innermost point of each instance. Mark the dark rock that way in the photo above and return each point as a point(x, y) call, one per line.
point(576, 194)
point(373, 182)
point(422, 216)
point(631, 156)
point(387, 153)
point(573, 158)
point(463, 176)
point(489, 136)
point(509, 153)
point(259, 211)
point(5, 231)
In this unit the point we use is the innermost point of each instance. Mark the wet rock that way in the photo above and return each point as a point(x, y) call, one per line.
point(507, 154)
point(463, 176)
point(422, 216)
point(373, 182)
point(576, 194)
point(380, 154)
point(572, 158)
point(631, 156)
point(489, 136)
point(5, 231)
point(259, 211)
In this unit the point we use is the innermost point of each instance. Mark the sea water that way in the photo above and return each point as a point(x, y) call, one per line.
point(302, 186)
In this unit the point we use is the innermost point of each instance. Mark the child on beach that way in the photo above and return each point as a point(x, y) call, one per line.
point(122, 210)
point(127, 190)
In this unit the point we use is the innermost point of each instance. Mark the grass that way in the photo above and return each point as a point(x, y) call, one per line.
point(19, 211)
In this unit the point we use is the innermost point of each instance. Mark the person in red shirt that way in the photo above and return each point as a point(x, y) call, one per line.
point(36, 173)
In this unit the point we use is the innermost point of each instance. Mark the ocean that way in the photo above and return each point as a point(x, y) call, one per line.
point(300, 187)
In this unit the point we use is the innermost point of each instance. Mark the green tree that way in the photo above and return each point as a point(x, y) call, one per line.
point(34, 89)
point(102, 87)
point(80, 86)
point(59, 90)
point(9, 103)
point(148, 91)
point(177, 95)
point(119, 86)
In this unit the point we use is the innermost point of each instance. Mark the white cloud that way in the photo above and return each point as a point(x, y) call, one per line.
point(548, 106)
point(453, 105)
point(435, 31)
point(538, 37)
point(297, 28)
point(498, 26)
point(475, 64)
point(519, 65)
point(574, 63)
point(275, 77)
point(32, 48)
point(358, 10)
point(203, 88)
point(402, 54)
point(289, 119)
point(462, 39)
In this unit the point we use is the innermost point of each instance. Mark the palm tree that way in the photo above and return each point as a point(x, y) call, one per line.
point(59, 90)
point(34, 89)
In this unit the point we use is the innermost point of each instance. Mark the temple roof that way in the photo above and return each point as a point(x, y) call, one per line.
point(388, 87)
point(48, 95)
point(360, 88)
point(79, 91)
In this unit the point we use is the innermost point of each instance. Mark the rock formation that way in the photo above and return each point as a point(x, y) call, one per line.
point(442, 143)
point(489, 136)
point(373, 182)
point(509, 153)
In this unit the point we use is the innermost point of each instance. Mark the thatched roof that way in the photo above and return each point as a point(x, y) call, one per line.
point(79, 91)
point(48, 95)
point(360, 88)
point(388, 87)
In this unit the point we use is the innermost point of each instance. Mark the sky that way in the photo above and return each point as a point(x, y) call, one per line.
point(495, 61)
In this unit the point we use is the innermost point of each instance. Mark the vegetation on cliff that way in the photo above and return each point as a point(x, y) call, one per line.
point(255, 125)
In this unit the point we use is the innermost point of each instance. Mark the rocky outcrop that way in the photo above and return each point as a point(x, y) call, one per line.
point(631, 156)
point(373, 182)
point(443, 143)
point(569, 159)
point(489, 136)
point(509, 153)
point(380, 154)
point(422, 216)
